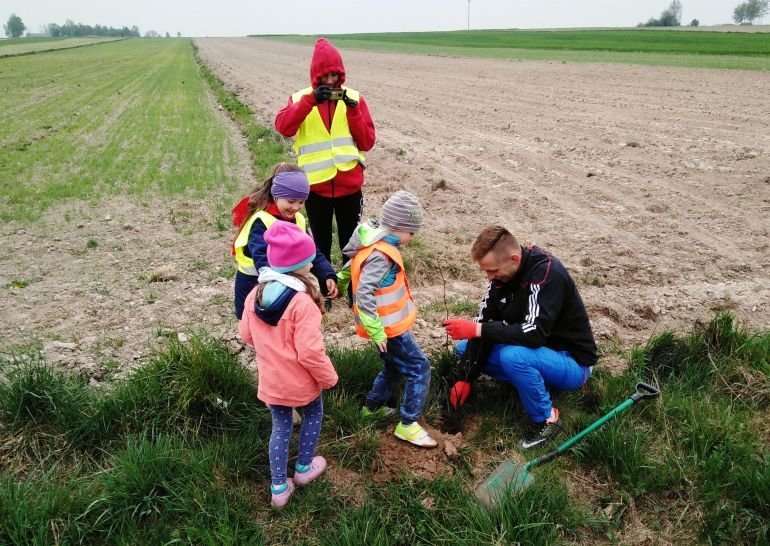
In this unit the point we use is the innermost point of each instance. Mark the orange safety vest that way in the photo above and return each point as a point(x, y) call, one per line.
point(395, 305)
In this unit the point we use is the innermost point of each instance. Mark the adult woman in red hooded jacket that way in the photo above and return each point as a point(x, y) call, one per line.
point(331, 134)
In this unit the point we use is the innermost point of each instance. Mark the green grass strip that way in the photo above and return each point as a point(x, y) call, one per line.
point(176, 453)
point(636, 41)
point(754, 56)
point(27, 46)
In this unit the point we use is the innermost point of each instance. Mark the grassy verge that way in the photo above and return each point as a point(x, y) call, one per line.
point(265, 145)
point(593, 47)
point(125, 117)
point(177, 453)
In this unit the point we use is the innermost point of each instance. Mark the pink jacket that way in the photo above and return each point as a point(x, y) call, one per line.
point(292, 363)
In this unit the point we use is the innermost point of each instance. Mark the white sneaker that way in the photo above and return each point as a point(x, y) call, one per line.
point(414, 434)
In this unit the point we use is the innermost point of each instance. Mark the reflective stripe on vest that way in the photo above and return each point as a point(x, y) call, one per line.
point(395, 306)
point(321, 153)
point(246, 264)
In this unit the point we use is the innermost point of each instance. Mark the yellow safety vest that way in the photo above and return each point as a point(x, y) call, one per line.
point(321, 153)
point(395, 304)
point(246, 264)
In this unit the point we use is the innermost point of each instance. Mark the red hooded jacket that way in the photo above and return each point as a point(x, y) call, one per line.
point(327, 59)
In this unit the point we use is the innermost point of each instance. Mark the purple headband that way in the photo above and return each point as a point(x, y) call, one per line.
point(290, 185)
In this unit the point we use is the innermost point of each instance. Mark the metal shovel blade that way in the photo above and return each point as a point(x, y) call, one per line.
point(507, 478)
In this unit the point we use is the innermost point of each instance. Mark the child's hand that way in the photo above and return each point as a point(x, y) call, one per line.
point(382, 346)
point(331, 288)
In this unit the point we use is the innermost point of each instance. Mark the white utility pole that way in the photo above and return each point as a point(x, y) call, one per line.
point(469, 14)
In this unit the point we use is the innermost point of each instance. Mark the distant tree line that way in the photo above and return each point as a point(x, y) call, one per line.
point(670, 17)
point(78, 29)
point(156, 34)
point(750, 10)
point(744, 14)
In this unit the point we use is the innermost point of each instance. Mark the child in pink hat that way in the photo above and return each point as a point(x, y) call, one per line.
point(282, 320)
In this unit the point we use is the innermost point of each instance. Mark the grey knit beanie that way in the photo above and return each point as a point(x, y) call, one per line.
point(402, 212)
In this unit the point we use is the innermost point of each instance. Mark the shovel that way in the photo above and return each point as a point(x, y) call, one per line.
point(510, 477)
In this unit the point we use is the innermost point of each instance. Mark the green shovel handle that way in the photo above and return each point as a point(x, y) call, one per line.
point(643, 392)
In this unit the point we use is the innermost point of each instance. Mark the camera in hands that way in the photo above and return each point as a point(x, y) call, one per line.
point(336, 94)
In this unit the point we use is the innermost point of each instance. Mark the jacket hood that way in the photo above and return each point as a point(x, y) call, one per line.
point(275, 304)
point(325, 59)
point(276, 296)
point(366, 234)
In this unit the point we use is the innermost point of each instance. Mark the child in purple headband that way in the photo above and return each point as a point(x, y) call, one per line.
point(280, 197)
point(290, 185)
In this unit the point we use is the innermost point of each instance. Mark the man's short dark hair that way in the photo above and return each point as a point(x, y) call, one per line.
point(495, 238)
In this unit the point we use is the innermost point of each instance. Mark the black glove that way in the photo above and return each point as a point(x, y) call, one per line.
point(350, 103)
point(322, 93)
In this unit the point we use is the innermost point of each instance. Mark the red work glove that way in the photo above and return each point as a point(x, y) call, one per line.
point(458, 328)
point(459, 394)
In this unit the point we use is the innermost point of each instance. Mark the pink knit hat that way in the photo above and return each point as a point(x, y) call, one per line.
point(288, 247)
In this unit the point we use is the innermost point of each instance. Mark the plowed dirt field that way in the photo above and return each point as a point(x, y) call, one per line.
point(651, 184)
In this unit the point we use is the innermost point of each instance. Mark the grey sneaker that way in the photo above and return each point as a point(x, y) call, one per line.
point(539, 433)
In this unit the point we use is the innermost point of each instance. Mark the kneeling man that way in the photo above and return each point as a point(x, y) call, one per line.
point(532, 331)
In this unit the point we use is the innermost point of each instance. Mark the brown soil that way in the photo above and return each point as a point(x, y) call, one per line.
point(397, 457)
point(651, 184)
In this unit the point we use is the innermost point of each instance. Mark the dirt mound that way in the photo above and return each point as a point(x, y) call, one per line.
point(396, 457)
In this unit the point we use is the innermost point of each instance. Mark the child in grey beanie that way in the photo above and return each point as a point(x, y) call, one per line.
point(385, 312)
point(402, 212)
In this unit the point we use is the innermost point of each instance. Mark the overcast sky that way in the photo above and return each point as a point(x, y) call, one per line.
point(242, 17)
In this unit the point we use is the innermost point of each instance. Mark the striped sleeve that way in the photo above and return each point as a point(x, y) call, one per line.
point(544, 302)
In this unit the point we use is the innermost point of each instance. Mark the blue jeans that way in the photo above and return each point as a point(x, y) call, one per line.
point(532, 372)
point(278, 449)
point(404, 359)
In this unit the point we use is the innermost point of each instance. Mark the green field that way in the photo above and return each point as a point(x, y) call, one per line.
point(637, 41)
point(123, 117)
point(748, 51)
point(30, 40)
point(23, 46)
